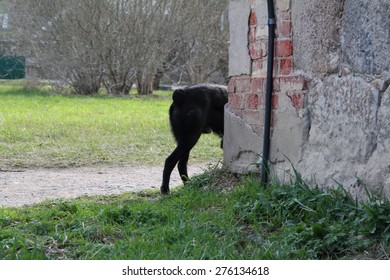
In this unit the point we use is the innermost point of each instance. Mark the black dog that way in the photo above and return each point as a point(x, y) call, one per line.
point(195, 110)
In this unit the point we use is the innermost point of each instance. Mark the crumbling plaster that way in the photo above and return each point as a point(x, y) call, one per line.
point(343, 48)
point(341, 131)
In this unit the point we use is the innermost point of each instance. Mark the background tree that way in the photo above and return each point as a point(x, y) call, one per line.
point(61, 37)
point(116, 43)
point(204, 48)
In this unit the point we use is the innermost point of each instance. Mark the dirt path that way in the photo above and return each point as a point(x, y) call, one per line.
point(31, 186)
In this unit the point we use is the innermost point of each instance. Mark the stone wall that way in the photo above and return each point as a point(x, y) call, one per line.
point(331, 99)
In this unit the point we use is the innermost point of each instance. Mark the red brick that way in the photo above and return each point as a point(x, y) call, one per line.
point(297, 99)
point(283, 48)
point(285, 15)
point(274, 102)
point(243, 84)
point(258, 65)
point(252, 18)
point(262, 99)
point(276, 84)
point(283, 29)
point(258, 85)
point(252, 34)
point(235, 101)
point(252, 101)
point(232, 85)
point(255, 50)
point(285, 66)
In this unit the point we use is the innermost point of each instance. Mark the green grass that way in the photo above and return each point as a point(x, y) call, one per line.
point(42, 129)
point(206, 219)
point(215, 216)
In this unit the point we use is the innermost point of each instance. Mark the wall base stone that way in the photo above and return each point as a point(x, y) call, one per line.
point(348, 141)
point(242, 153)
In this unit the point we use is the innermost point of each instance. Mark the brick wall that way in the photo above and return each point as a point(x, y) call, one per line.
point(330, 107)
point(247, 92)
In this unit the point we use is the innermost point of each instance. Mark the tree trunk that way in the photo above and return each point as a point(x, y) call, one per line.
point(145, 84)
point(85, 84)
point(144, 87)
point(157, 79)
point(118, 89)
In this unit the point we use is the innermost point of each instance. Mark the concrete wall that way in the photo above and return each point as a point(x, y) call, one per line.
point(331, 100)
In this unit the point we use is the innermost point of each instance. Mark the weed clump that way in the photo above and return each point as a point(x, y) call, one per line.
point(298, 221)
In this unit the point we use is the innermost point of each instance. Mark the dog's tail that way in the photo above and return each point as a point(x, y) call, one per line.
point(179, 97)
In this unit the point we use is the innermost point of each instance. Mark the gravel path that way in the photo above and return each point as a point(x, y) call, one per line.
point(22, 187)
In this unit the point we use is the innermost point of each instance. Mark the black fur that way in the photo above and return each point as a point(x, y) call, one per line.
point(195, 110)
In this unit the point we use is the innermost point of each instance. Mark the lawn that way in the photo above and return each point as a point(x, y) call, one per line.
point(215, 216)
point(41, 129)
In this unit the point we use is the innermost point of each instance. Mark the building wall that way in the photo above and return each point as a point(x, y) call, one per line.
point(331, 99)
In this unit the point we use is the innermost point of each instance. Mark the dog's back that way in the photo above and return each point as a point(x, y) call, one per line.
point(198, 107)
point(197, 93)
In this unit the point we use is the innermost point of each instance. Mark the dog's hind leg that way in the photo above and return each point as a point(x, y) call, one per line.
point(170, 163)
point(181, 155)
point(182, 166)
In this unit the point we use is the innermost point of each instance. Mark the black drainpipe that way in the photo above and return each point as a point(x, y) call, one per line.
point(268, 97)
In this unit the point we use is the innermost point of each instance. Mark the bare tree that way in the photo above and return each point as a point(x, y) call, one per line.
point(204, 40)
point(58, 35)
point(199, 45)
point(116, 43)
point(157, 26)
